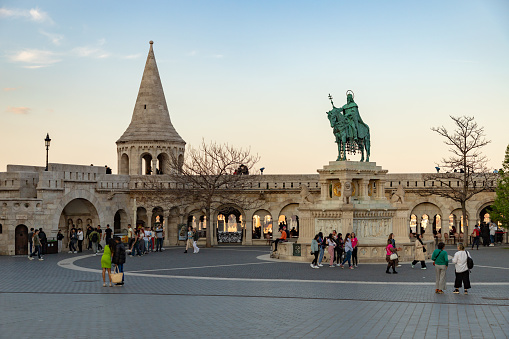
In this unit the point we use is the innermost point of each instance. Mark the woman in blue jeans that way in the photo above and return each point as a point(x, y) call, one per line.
point(321, 241)
point(348, 252)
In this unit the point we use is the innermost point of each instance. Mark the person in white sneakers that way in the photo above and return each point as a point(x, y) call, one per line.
point(195, 241)
point(493, 229)
point(315, 251)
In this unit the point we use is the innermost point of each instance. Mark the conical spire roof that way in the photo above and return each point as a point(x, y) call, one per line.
point(151, 119)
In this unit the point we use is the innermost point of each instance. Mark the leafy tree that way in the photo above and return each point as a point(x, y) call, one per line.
point(500, 208)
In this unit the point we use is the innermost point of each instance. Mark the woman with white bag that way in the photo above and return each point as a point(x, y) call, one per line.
point(391, 257)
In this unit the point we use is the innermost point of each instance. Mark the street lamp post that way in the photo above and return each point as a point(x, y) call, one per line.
point(46, 142)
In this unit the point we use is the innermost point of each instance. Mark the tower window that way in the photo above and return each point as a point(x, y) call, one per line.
point(145, 107)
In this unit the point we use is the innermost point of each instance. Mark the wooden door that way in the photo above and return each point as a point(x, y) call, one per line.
point(21, 240)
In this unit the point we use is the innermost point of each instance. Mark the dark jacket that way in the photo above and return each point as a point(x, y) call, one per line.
point(119, 255)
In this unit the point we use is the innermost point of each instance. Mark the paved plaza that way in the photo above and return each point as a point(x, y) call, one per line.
point(234, 291)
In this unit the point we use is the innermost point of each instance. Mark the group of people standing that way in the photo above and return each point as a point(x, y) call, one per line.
point(144, 240)
point(486, 232)
point(461, 270)
point(36, 240)
point(340, 250)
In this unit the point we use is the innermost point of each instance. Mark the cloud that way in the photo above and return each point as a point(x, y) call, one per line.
point(33, 14)
point(18, 110)
point(132, 56)
point(55, 38)
point(8, 89)
point(38, 58)
point(92, 51)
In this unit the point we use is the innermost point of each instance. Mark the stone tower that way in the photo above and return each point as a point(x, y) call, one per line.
point(147, 145)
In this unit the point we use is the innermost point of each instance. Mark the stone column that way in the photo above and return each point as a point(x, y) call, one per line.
point(154, 166)
point(400, 227)
point(380, 189)
point(248, 240)
point(347, 219)
point(166, 228)
point(363, 183)
point(324, 190)
point(445, 227)
point(306, 227)
point(149, 217)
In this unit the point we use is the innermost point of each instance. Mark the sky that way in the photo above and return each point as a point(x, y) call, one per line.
point(254, 74)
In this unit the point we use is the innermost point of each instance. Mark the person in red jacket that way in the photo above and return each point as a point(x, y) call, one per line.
point(476, 233)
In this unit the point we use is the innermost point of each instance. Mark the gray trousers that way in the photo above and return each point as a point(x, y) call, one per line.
point(440, 271)
point(94, 247)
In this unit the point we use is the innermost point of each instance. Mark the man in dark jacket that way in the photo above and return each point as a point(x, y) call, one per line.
point(44, 241)
point(119, 258)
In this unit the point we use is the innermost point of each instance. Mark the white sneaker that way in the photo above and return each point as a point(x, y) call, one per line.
point(70, 251)
point(31, 258)
point(413, 266)
point(320, 265)
point(312, 266)
point(398, 265)
point(423, 268)
point(316, 266)
point(356, 266)
point(75, 252)
point(41, 259)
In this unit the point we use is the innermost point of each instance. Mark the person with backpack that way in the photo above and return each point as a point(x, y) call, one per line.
point(195, 241)
point(94, 240)
point(441, 262)
point(461, 269)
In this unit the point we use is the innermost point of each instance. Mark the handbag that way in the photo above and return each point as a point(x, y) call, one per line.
point(117, 276)
point(393, 256)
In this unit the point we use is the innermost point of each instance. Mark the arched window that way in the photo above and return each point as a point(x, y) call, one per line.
point(1, 229)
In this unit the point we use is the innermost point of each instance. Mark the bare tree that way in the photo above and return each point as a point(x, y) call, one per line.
point(466, 165)
point(214, 175)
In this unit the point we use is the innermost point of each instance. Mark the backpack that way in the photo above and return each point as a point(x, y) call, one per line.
point(94, 237)
point(470, 262)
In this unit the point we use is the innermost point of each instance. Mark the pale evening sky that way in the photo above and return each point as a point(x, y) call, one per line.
point(254, 74)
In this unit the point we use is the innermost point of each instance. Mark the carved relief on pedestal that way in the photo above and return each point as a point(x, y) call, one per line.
point(326, 226)
point(372, 228)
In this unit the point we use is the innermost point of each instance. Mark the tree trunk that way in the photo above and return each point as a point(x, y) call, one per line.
point(210, 226)
point(465, 224)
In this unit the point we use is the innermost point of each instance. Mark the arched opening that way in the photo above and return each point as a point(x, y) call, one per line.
point(198, 221)
point(146, 164)
point(459, 225)
point(77, 209)
point(423, 213)
point(124, 164)
point(289, 217)
point(141, 217)
point(163, 164)
point(484, 214)
point(437, 225)
point(262, 225)
point(157, 216)
point(120, 222)
point(229, 225)
point(21, 240)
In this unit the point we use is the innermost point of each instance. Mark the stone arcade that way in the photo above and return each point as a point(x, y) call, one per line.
point(346, 196)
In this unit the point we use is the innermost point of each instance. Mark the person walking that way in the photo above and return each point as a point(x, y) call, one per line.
point(94, 238)
point(60, 237)
point(331, 244)
point(348, 252)
point(37, 246)
point(80, 240)
point(136, 248)
point(475, 234)
point(108, 233)
point(355, 244)
point(44, 241)
point(118, 258)
point(389, 250)
point(461, 270)
point(321, 244)
point(441, 262)
point(87, 235)
point(339, 248)
point(189, 241)
point(393, 241)
point(419, 252)
point(72, 241)
point(130, 236)
point(30, 242)
point(106, 260)
point(314, 251)
point(195, 241)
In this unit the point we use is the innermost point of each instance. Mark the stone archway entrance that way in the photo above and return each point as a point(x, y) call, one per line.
point(230, 225)
point(77, 210)
point(21, 240)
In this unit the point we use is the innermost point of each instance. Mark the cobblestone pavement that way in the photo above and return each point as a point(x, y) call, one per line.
point(232, 291)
